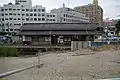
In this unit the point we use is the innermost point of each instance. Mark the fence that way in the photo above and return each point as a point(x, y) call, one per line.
point(18, 70)
point(3, 75)
point(76, 45)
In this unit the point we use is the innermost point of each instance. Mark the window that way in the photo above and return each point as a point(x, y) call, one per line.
point(23, 19)
point(6, 18)
point(18, 9)
point(10, 9)
point(39, 19)
point(15, 29)
point(43, 10)
point(47, 15)
point(27, 14)
point(18, 14)
point(2, 19)
point(31, 14)
point(35, 19)
point(50, 15)
point(112, 32)
point(14, 14)
point(53, 19)
point(27, 19)
point(18, 18)
point(6, 9)
point(11, 29)
point(47, 39)
point(31, 10)
point(53, 15)
point(27, 9)
point(31, 19)
point(23, 14)
point(39, 14)
point(6, 29)
point(35, 14)
point(14, 18)
point(2, 14)
point(50, 19)
point(7, 24)
point(17, 24)
point(2, 9)
point(43, 19)
point(47, 19)
point(2, 24)
point(14, 9)
point(10, 24)
point(35, 10)
point(39, 9)
point(64, 15)
point(6, 14)
point(10, 13)
point(10, 18)
point(23, 9)
point(43, 14)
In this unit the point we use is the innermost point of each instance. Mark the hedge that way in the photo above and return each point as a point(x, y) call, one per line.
point(7, 51)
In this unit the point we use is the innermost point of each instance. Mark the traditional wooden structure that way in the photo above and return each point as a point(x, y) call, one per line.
point(58, 33)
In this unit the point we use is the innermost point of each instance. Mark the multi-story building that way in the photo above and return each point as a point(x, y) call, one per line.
point(51, 18)
point(107, 22)
point(13, 16)
point(68, 15)
point(93, 11)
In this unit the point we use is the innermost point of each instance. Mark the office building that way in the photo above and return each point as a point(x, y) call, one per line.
point(93, 11)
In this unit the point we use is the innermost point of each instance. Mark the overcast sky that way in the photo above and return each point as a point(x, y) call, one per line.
point(111, 7)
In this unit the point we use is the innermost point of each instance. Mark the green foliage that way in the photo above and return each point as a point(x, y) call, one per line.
point(117, 27)
point(7, 51)
point(2, 79)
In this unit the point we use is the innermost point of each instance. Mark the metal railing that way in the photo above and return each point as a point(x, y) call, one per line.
point(39, 65)
point(3, 75)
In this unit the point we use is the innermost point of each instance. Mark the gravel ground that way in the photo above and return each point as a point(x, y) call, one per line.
point(77, 65)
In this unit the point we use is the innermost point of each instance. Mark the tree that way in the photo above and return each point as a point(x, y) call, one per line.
point(117, 26)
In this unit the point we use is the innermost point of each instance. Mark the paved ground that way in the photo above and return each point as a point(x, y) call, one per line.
point(67, 66)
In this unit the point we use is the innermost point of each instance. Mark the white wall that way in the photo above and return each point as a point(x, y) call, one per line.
point(21, 14)
point(15, 15)
point(67, 15)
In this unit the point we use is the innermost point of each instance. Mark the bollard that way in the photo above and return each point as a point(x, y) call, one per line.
point(39, 59)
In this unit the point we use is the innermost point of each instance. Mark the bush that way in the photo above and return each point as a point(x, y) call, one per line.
point(7, 51)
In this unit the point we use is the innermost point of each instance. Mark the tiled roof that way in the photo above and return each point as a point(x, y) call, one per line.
point(58, 26)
